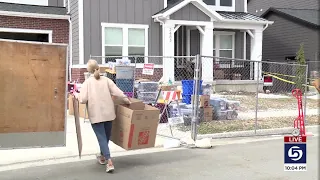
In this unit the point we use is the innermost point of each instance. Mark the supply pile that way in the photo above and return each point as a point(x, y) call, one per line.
point(147, 91)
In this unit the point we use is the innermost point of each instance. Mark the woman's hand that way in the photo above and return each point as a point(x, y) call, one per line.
point(127, 100)
point(75, 94)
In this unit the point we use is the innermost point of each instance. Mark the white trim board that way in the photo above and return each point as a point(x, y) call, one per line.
point(34, 15)
point(81, 32)
point(34, 31)
point(245, 6)
point(125, 28)
point(165, 3)
point(34, 42)
point(28, 2)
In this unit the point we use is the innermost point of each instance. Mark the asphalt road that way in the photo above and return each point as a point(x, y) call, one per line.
point(251, 161)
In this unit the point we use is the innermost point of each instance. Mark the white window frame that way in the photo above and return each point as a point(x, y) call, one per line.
point(218, 7)
point(31, 31)
point(125, 38)
point(217, 49)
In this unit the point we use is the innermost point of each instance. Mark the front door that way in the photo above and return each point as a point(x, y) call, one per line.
point(33, 94)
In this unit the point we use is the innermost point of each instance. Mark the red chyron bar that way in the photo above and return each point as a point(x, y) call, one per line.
point(295, 139)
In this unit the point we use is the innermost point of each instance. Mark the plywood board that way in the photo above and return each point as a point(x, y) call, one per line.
point(32, 87)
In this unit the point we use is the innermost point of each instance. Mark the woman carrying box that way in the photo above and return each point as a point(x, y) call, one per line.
point(97, 92)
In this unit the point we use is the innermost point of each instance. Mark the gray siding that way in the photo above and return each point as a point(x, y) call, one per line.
point(58, 3)
point(75, 30)
point(194, 42)
point(239, 5)
point(284, 37)
point(191, 13)
point(120, 11)
point(254, 5)
point(239, 45)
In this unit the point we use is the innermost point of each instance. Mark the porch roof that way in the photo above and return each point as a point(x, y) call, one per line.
point(220, 16)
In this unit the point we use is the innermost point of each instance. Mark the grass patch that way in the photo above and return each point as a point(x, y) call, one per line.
point(248, 103)
point(246, 125)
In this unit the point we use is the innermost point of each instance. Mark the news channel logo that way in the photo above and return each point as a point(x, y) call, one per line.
point(295, 153)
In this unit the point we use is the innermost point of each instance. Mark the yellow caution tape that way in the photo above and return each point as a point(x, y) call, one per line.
point(285, 75)
point(284, 80)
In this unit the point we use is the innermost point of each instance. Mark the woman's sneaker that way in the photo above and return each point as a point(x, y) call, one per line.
point(101, 159)
point(109, 168)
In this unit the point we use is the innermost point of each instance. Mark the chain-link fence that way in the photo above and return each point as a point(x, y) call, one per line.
point(252, 97)
point(216, 95)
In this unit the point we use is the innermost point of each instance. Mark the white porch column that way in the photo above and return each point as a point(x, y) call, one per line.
point(256, 52)
point(206, 49)
point(168, 51)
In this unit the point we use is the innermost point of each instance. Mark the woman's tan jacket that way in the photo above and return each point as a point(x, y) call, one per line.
point(97, 94)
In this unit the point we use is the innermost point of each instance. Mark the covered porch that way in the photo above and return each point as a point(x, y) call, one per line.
point(190, 28)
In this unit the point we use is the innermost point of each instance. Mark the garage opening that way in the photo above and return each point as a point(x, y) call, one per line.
point(37, 37)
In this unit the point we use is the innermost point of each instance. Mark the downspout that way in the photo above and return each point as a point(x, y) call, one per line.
point(70, 40)
point(70, 47)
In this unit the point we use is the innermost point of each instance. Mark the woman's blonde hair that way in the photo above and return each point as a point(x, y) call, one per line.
point(93, 68)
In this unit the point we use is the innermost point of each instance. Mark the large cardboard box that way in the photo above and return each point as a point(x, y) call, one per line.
point(83, 112)
point(207, 114)
point(135, 126)
point(204, 100)
point(71, 110)
point(168, 87)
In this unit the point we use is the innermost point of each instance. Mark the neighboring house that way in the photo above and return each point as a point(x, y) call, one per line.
point(34, 20)
point(295, 22)
point(162, 29)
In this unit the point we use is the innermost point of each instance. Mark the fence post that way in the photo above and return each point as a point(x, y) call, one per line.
point(257, 99)
point(305, 95)
point(195, 101)
point(134, 73)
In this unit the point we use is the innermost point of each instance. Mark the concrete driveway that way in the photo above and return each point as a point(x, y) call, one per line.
point(261, 160)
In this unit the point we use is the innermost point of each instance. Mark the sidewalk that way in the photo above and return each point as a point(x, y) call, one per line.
point(90, 146)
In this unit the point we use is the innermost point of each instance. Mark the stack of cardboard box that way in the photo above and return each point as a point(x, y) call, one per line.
point(206, 111)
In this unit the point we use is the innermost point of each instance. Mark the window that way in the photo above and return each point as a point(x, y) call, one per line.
point(226, 46)
point(125, 40)
point(113, 41)
point(226, 3)
point(210, 2)
point(223, 45)
point(26, 34)
point(221, 5)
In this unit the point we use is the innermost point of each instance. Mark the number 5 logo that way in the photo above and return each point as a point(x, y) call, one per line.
point(295, 153)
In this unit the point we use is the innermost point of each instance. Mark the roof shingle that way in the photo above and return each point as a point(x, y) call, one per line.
point(307, 15)
point(33, 9)
point(240, 16)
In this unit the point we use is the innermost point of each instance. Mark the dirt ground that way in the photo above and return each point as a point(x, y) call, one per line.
point(248, 103)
